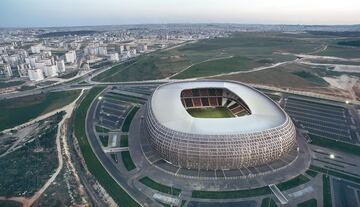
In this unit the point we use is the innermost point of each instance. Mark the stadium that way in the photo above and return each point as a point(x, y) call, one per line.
point(217, 125)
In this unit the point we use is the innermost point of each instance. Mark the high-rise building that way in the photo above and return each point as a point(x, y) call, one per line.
point(35, 74)
point(36, 48)
point(6, 71)
point(70, 56)
point(23, 69)
point(119, 48)
point(102, 51)
point(114, 57)
point(50, 71)
point(61, 65)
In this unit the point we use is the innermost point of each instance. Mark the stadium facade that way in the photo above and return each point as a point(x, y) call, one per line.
point(259, 131)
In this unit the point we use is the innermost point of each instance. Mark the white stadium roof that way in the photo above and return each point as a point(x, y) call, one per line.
point(169, 111)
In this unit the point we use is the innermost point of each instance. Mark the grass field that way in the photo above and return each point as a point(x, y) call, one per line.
point(101, 129)
point(20, 110)
point(126, 158)
point(288, 75)
point(160, 187)
point(10, 204)
point(308, 203)
point(124, 141)
point(104, 140)
point(247, 50)
point(125, 127)
point(26, 169)
point(335, 145)
point(214, 67)
point(10, 84)
point(299, 180)
point(327, 191)
point(311, 173)
point(92, 163)
point(231, 194)
point(219, 112)
point(268, 202)
point(355, 179)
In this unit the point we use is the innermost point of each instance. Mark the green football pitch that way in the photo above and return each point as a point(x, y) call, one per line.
point(220, 112)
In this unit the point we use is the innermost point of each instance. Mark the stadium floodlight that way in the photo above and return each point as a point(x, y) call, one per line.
point(332, 156)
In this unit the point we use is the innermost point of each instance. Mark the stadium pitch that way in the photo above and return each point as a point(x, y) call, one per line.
point(211, 112)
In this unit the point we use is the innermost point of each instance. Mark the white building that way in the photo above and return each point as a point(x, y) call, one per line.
point(70, 56)
point(36, 48)
point(114, 57)
point(61, 65)
point(102, 51)
point(143, 48)
point(120, 49)
point(31, 60)
point(6, 70)
point(133, 52)
point(50, 71)
point(35, 74)
point(23, 69)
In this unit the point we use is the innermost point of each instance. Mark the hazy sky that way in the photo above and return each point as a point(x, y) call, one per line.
point(26, 13)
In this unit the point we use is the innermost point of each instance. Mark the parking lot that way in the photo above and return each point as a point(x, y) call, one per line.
point(346, 194)
point(325, 120)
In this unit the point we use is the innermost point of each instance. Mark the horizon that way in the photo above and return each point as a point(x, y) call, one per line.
point(180, 23)
point(67, 13)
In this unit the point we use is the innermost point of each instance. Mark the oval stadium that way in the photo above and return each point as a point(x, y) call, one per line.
point(213, 125)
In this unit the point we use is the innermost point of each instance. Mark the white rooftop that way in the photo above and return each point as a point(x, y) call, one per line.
point(169, 111)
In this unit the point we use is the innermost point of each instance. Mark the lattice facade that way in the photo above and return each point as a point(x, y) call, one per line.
point(222, 151)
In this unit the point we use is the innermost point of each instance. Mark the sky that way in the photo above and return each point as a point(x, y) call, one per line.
point(41, 13)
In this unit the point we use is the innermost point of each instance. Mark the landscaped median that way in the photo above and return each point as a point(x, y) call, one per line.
point(129, 117)
point(334, 144)
point(92, 163)
point(297, 181)
point(160, 187)
point(231, 194)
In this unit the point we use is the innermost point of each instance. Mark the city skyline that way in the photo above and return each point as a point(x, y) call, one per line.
point(41, 13)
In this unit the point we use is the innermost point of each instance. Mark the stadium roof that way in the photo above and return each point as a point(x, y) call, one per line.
point(169, 111)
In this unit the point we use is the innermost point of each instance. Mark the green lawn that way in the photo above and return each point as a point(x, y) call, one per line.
point(299, 180)
point(104, 140)
point(160, 187)
point(327, 191)
point(17, 111)
point(217, 66)
point(10, 84)
point(268, 202)
point(129, 117)
point(335, 145)
point(219, 112)
point(311, 173)
point(246, 49)
point(352, 178)
point(125, 98)
point(92, 163)
point(101, 129)
point(124, 140)
point(309, 203)
point(10, 204)
point(126, 158)
point(231, 194)
point(26, 169)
